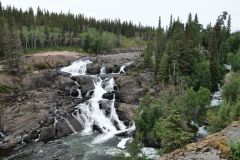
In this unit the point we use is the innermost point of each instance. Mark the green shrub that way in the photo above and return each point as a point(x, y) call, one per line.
point(235, 149)
point(5, 89)
point(236, 62)
point(170, 131)
point(134, 152)
point(229, 111)
point(231, 90)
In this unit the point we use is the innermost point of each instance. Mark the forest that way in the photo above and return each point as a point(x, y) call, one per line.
point(51, 30)
point(188, 64)
point(187, 61)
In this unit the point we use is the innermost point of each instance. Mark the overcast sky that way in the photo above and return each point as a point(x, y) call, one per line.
point(144, 11)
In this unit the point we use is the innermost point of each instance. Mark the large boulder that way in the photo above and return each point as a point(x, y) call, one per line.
point(127, 112)
point(146, 79)
point(93, 68)
point(47, 133)
point(86, 83)
point(39, 80)
point(130, 89)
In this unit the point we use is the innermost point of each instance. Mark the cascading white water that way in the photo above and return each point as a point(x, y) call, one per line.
point(89, 113)
point(122, 68)
point(216, 99)
point(103, 70)
point(110, 85)
point(114, 116)
point(77, 68)
point(202, 131)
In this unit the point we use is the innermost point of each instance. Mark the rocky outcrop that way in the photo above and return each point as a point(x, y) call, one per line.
point(51, 59)
point(214, 147)
point(42, 98)
point(127, 112)
point(130, 89)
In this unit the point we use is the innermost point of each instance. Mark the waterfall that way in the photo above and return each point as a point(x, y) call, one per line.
point(114, 116)
point(103, 70)
point(89, 113)
point(77, 68)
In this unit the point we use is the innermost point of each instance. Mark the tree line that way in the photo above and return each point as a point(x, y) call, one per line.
point(181, 51)
point(25, 30)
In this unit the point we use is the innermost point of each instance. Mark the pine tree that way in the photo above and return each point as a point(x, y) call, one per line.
point(12, 47)
point(169, 31)
point(229, 24)
point(147, 55)
point(214, 55)
point(160, 44)
point(2, 31)
point(163, 68)
point(196, 18)
point(214, 63)
point(175, 48)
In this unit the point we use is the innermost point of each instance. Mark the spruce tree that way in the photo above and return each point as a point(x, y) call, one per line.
point(12, 47)
point(175, 48)
point(160, 44)
point(2, 23)
point(214, 54)
point(163, 68)
point(229, 24)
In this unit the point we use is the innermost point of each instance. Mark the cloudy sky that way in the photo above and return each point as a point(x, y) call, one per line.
point(144, 11)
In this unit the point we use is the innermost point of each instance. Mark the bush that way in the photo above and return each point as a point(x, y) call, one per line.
point(235, 149)
point(219, 118)
point(231, 90)
point(6, 89)
point(195, 104)
point(236, 62)
point(164, 118)
point(201, 76)
point(171, 133)
point(230, 110)
point(135, 152)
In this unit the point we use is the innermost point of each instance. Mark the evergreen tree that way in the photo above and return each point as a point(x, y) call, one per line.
point(229, 24)
point(147, 55)
point(176, 43)
point(12, 47)
point(214, 55)
point(160, 44)
point(2, 34)
point(169, 130)
point(163, 68)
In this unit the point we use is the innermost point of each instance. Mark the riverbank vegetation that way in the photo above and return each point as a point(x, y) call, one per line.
point(188, 65)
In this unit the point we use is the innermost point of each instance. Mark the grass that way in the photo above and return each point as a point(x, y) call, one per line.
point(65, 48)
